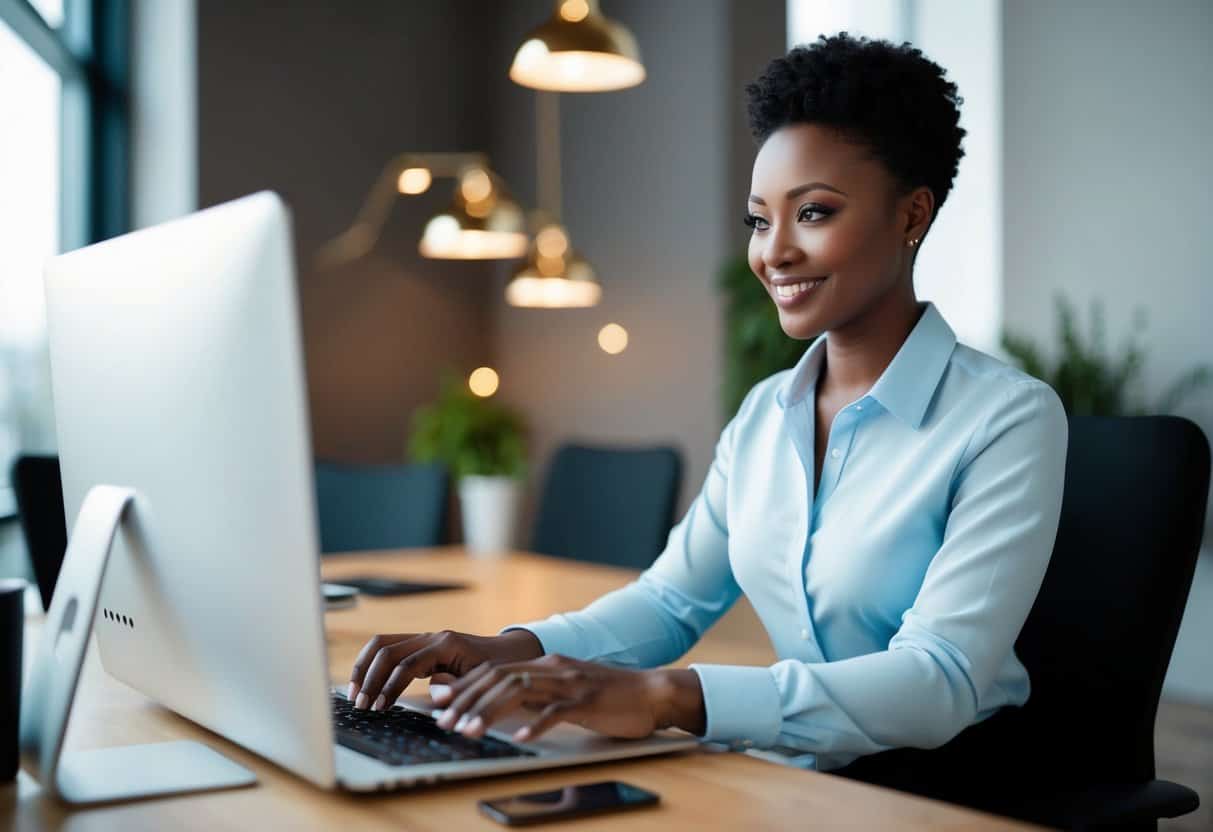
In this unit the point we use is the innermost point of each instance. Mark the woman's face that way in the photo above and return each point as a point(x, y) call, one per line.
point(829, 230)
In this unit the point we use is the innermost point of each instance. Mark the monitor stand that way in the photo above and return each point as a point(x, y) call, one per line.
point(105, 774)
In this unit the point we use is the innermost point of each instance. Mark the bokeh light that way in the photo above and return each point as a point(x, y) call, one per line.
point(483, 381)
point(613, 339)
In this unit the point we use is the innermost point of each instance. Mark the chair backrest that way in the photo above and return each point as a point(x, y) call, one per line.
point(1099, 637)
point(380, 506)
point(39, 490)
point(608, 505)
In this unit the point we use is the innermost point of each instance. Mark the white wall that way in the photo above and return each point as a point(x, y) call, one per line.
point(1109, 194)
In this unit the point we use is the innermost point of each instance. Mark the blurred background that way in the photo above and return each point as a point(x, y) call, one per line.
point(1085, 197)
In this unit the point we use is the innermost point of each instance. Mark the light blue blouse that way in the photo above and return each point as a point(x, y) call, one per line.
point(893, 596)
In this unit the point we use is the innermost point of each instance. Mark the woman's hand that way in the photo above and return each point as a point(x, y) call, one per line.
point(388, 663)
point(619, 703)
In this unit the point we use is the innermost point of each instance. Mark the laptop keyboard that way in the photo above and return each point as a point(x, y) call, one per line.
point(401, 737)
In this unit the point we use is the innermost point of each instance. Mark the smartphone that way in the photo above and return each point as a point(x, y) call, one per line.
point(568, 802)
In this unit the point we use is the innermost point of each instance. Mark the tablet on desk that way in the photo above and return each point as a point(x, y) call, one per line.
point(387, 587)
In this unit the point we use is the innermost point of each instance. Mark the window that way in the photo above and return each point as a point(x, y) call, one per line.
point(63, 169)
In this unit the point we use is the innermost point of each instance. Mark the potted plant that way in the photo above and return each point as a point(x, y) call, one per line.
point(483, 445)
point(1090, 382)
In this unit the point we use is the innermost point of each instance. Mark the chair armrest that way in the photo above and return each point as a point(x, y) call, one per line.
point(1106, 804)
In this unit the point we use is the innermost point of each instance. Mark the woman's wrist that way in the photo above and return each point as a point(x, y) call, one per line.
point(677, 699)
point(520, 645)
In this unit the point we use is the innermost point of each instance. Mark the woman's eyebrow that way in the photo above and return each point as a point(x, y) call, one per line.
point(798, 190)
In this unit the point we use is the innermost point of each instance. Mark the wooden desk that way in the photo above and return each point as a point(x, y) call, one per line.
point(698, 790)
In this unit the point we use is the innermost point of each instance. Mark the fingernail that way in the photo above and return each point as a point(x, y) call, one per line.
point(462, 723)
point(440, 693)
point(362, 701)
point(379, 703)
point(446, 719)
point(474, 727)
point(523, 733)
point(437, 713)
point(352, 692)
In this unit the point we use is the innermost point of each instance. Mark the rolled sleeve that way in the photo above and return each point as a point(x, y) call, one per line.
point(741, 703)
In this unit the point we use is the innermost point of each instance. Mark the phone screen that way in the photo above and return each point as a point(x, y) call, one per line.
point(570, 801)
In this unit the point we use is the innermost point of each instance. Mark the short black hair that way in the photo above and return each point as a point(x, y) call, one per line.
point(891, 99)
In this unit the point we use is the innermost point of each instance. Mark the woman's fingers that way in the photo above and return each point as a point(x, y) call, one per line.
point(366, 655)
point(415, 664)
point(551, 715)
point(381, 666)
point(488, 693)
point(511, 693)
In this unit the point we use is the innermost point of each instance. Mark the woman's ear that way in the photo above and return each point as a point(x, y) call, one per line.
point(919, 209)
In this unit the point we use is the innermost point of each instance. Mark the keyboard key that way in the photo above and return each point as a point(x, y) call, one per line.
point(402, 737)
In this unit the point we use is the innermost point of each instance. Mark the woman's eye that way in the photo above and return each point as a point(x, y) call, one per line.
point(755, 222)
point(808, 210)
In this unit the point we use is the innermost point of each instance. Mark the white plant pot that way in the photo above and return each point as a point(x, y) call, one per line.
point(490, 513)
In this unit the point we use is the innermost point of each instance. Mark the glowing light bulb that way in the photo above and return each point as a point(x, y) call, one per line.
point(574, 11)
point(476, 185)
point(414, 181)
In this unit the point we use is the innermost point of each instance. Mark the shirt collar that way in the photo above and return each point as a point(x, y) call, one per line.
point(907, 385)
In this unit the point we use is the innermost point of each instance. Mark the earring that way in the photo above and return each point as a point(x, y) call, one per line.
point(911, 243)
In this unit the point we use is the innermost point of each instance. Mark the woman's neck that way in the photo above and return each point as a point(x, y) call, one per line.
point(858, 353)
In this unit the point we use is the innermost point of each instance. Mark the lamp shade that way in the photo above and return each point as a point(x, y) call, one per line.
point(578, 50)
point(553, 276)
point(483, 223)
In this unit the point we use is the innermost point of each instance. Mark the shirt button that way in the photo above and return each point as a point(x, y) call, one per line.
point(859, 407)
point(835, 453)
point(804, 634)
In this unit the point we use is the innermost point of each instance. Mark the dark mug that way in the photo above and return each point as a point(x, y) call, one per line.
point(12, 631)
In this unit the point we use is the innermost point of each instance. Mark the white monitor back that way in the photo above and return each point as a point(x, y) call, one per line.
point(177, 370)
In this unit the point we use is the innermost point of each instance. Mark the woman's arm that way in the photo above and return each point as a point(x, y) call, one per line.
point(650, 622)
point(926, 687)
point(658, 617)
point(942, 663)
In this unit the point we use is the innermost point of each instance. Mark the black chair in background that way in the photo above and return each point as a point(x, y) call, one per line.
point(608, 505)
point(1080, 753)
point(38, 487)
point(380, 506)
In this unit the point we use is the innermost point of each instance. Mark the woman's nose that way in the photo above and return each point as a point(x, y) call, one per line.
point(780, 249)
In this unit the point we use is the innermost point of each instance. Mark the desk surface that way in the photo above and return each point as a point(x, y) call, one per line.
point(698, 790)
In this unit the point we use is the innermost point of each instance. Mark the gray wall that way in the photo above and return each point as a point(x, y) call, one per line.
point(1108, 195)
point(654, 183)
point(312, 104)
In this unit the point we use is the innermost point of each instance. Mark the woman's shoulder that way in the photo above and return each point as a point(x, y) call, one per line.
point(986, 376)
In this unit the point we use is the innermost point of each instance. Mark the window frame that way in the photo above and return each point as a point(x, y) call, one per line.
point(90, 51)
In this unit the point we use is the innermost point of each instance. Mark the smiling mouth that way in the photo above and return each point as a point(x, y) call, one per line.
point(791, 290)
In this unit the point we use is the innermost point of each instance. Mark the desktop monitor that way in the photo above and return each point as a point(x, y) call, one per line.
point(177, 371)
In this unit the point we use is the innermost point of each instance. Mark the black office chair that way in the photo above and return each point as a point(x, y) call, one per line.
point(38, 487)
point(1080, 753)
point(608, 505)
point(380, 506)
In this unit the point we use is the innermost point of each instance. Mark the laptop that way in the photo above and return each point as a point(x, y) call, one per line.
point(177, 373)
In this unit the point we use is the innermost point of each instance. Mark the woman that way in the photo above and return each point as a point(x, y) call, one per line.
point(888, 505)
